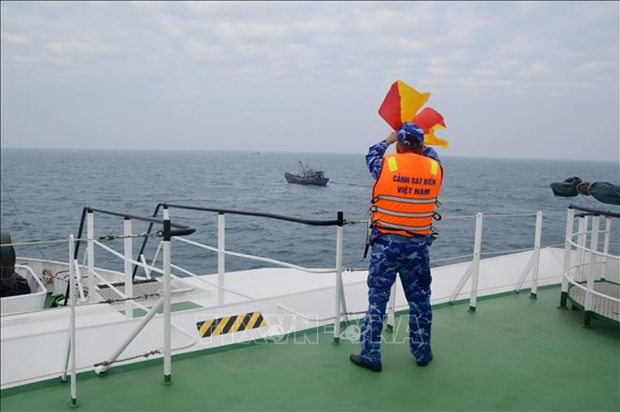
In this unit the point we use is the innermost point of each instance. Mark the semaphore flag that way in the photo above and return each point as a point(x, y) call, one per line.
point(402, 104)
point(430, 120)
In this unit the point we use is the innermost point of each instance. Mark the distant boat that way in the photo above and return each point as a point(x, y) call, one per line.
point(307, 176)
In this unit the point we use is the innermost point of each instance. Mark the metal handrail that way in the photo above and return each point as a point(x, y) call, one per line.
point(594, 252)
point(594, 212)
point(309, 222)
point(594, 292)
point(182, 230)
point(339, 222)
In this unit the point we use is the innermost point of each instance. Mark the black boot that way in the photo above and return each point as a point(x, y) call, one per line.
point(359, 361)
point(426, 362)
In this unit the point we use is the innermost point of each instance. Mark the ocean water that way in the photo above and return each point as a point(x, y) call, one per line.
point(44, 191)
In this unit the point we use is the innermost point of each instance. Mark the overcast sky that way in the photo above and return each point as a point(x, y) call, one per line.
point(511, 79)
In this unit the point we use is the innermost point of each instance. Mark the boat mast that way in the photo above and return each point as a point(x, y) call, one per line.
point(302, 169)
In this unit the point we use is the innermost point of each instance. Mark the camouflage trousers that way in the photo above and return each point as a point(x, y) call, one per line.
point(392, 254)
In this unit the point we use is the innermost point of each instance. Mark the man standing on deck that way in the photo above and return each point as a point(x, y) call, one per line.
point(403, 205)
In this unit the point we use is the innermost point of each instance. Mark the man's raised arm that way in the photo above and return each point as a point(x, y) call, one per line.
point(374, 158)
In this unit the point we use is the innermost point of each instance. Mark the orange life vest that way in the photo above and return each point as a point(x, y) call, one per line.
point(404, 196)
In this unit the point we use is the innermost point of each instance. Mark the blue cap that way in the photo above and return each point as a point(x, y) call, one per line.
point(410, 134)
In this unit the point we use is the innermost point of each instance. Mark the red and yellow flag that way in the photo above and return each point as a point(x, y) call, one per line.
point(430, 120)
point(401, 104)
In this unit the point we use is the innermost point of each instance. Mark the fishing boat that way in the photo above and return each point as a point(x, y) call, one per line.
point(307, 176)
point(278, 337)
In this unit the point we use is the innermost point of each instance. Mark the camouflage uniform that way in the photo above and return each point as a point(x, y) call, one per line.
point(392, 254)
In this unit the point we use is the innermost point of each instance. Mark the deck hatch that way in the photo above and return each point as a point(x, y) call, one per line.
point(140, 288)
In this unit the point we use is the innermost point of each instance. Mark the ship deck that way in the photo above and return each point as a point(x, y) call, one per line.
point(514, 353)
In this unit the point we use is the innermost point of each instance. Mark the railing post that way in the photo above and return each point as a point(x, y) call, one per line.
point(221, 258)
point(537, 237)
point(596, 222)
point(606, 246)
point(534, 261)
point(582, 228)
point(128, 267)
point(339, 288)
point(90, 236)
point(166, 279)
point(73, 346)
point(570, 217)
point(476, 263)
point(63, 377)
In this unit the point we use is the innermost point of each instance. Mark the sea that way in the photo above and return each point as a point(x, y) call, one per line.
point(44, 192)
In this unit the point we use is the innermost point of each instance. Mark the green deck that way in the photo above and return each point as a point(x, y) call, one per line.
point(514, 353)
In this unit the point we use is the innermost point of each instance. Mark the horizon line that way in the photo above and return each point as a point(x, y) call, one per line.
point(293, 152)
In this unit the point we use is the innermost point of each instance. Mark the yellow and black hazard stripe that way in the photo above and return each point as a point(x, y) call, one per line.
point(230, 324)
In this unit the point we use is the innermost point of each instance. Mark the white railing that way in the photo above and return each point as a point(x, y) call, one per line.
point(339, 300)
point(340, 309)
point(472, 272)
point(587, 263)
point(127, 296)
point(531, 268)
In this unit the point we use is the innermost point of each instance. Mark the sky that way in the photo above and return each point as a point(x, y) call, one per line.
point(512, 79)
